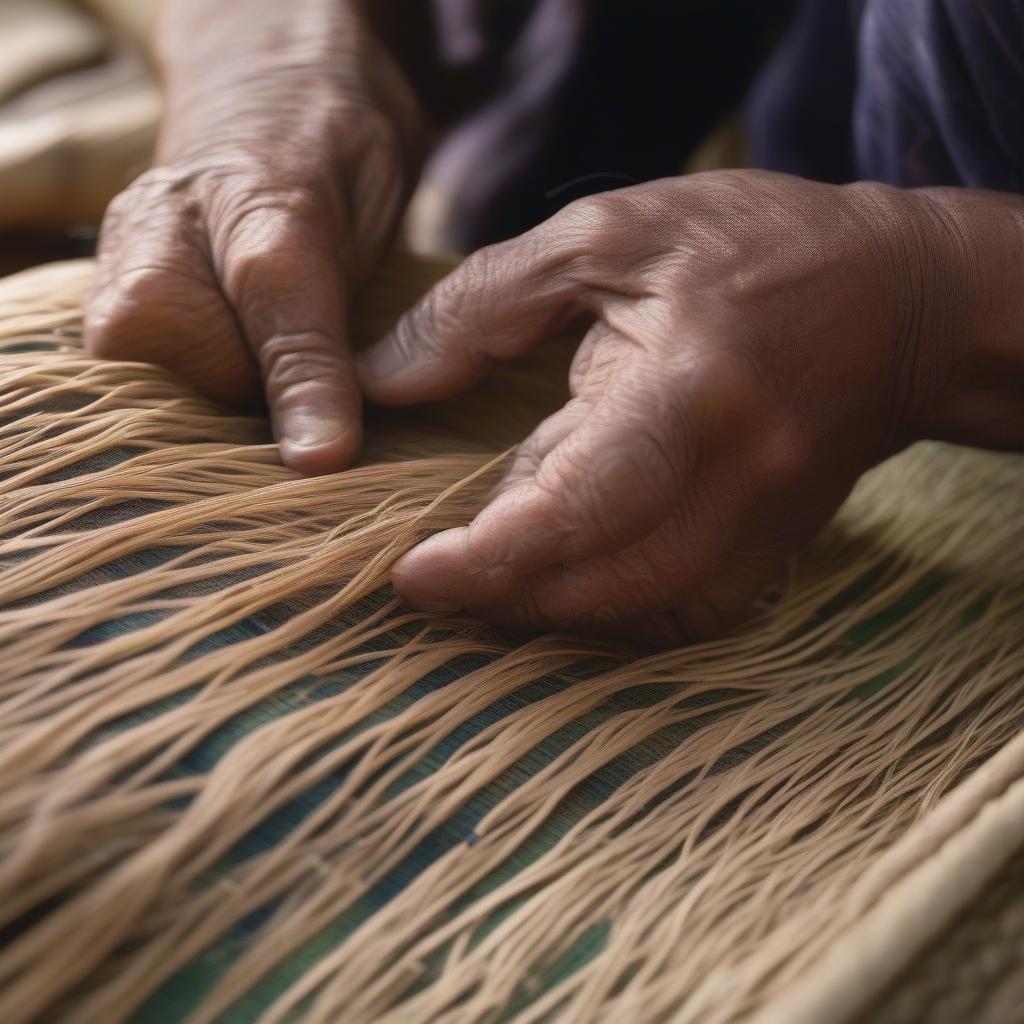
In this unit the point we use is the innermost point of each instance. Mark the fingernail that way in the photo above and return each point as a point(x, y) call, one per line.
point(382, 361)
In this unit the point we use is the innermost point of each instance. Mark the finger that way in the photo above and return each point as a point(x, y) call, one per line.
point(707, 611)
point(698, 574)
point(155, 299)
point(730, 527)
point(281, 273)
point(550, 432)
point(496, 305)
point(607, 483)
point(698, 598)
point(142, 318)
point(553, 430)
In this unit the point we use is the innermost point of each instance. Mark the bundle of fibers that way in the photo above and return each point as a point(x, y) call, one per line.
point(239, 781)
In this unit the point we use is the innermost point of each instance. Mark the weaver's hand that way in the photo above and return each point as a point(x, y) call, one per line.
point(756, 342)
point(285, 156)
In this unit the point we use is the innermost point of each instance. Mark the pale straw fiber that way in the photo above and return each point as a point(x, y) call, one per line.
point(240, 782)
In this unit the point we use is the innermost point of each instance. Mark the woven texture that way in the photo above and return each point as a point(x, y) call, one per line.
point(239, 782)
point(974, 972)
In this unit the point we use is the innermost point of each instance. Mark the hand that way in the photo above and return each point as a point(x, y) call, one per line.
point(756, 342)
point(281, 176)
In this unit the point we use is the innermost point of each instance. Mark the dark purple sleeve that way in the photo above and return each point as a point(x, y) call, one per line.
point(551, 100)
point(911, 92)
point(941, 97)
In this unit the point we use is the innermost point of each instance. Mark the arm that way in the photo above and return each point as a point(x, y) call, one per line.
point(286, 153)
point(757, 341)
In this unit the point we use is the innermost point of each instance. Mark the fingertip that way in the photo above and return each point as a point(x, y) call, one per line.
point(384, 376)
point(319, 447)
point(320, 460)
point(423, 577)
point(387, 378)
point(381, 361)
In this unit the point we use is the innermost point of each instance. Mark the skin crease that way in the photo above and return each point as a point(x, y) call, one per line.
point(286, 155)
point(755, 341)
point(742, 369)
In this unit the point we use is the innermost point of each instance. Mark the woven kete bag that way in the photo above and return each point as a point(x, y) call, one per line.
point(240, 782)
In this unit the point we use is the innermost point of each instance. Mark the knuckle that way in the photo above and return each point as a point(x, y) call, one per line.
point(587, 493)
point(568, 463)
point(242, 265)
point(293, 360)
point(117, 315)
point(303, 346)
point(726, 388)
point(159, 185)
point(298, 201)
point(369, 128)
point(106, 329)
point(116, 209)
point(477, 306)
point(145, 285)
point(264, 227)
point(468, 290)
point(478, 272)
point(598, 216)
point(121, 220)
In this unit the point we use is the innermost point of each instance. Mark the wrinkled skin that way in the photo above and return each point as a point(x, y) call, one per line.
point(276, 190)
point(754, 343)
point(757, 341)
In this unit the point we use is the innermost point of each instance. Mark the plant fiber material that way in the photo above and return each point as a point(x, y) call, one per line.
point(239, 781)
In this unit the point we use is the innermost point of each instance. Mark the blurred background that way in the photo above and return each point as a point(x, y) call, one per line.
point(80, 106)
point(78, 117)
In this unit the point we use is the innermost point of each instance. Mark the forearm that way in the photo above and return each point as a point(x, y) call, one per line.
point(273, 76)
point(979, 288)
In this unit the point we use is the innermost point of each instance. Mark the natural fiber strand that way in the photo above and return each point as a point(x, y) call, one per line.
point(911, 893)
point(239, 781)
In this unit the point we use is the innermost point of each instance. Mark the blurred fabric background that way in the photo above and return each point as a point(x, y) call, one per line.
point(78, 118)
point(79, 109)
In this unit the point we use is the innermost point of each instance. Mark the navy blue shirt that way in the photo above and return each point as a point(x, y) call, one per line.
point(910, 92)
point(547, 100)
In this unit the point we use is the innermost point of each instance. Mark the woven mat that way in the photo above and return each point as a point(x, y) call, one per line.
point(974, 970)
point(239, 782)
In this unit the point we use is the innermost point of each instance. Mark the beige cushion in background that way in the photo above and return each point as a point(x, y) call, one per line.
point(42, 38)
point(68, 146)
point(134, 19)
point(79, 110)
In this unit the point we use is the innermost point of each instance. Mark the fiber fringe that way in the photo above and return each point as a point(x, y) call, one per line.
point(238, 781)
